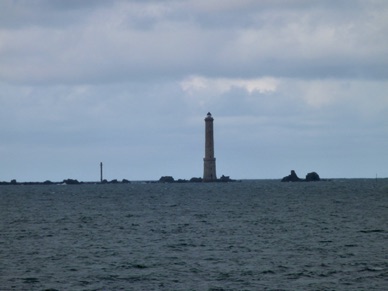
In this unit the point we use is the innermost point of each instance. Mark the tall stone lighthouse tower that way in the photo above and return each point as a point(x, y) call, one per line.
point(209, 162)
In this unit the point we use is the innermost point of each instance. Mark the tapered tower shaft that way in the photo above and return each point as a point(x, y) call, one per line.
point(209, 162)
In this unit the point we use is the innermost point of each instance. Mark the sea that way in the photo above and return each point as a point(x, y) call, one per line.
point(247, 235)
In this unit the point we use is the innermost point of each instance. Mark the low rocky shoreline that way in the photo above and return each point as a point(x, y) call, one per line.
point(163, 179)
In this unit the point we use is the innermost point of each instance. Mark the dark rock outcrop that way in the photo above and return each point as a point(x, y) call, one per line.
point(196, 180)
point(312, 177)
point(166, 179)
point(225, 179)
point(293, 177)
point(181, 181)
point(71, 182)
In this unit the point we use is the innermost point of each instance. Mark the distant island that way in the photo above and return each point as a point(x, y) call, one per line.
point(293, 177)
point(170, 179)
point(163, 179)
point(65, 182)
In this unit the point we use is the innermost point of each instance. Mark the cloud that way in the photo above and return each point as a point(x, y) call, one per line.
point(146, 40)
point(314, 94)
point(158, 128)
point(297, 83)
point(196, 84)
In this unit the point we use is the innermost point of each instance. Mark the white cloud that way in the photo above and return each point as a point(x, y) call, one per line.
point(198, 84)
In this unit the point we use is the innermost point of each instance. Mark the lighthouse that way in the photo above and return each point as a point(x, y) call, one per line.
point(101, 172)
point(209, 162)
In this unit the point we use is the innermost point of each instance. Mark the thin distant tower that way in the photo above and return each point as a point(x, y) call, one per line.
point(209, 162)
point(101, 172)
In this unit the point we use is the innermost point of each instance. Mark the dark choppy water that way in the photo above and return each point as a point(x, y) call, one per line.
point(254, 235)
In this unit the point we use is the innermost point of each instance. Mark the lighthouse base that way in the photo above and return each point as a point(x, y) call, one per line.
point(209, 170)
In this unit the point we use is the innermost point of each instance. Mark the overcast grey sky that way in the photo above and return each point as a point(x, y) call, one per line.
point(293, 84)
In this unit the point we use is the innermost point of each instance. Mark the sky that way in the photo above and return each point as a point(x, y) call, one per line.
point(292, 85)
